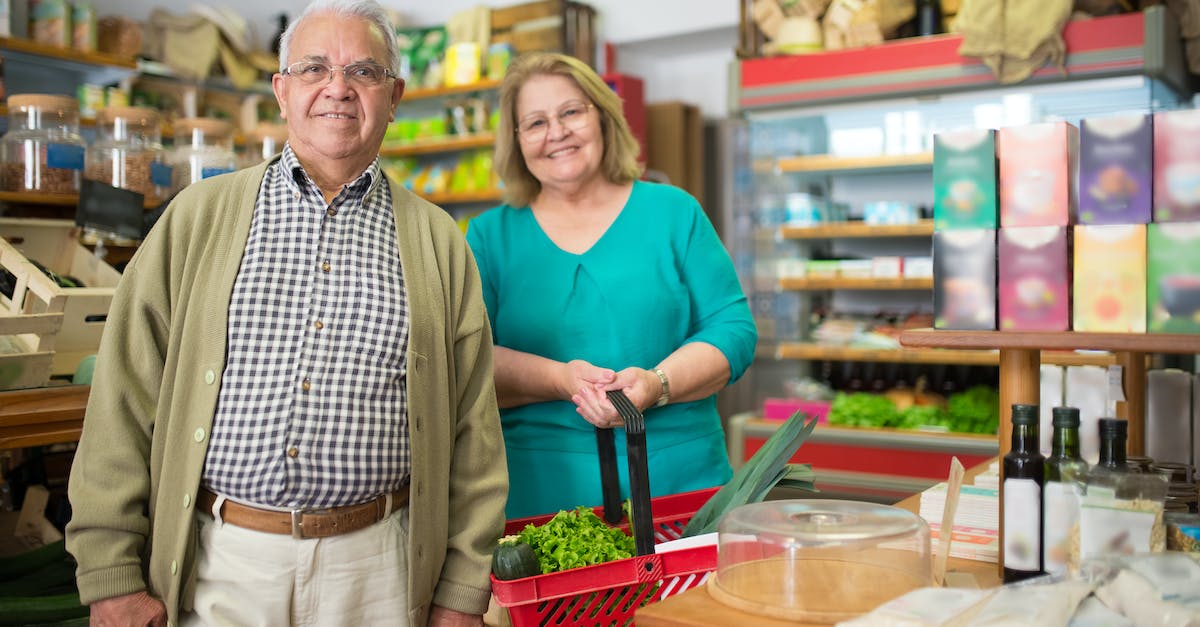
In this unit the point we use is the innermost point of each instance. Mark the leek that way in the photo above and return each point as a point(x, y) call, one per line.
point(765, 470)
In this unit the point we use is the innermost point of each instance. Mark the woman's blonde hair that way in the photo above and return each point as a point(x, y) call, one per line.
point(620, 161)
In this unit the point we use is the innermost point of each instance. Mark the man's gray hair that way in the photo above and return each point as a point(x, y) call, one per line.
point(369, 10)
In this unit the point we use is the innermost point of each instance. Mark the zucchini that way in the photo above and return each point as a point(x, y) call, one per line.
point(514, 559)
point(14, 566)
point(45, 609)
point(54, 578)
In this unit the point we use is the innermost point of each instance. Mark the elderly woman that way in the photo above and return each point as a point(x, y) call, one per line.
point(596, 281)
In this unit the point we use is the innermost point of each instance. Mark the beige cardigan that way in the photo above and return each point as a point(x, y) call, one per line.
point(138, 467)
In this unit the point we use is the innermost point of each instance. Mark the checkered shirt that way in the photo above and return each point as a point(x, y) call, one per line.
point(312, 410)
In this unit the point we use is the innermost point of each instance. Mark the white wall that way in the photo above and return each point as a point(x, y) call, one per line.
point(681, 48)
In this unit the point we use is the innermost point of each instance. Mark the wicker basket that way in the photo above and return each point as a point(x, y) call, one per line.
point(119, 36)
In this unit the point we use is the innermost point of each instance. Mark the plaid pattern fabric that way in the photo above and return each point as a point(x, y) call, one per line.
point(312, 410)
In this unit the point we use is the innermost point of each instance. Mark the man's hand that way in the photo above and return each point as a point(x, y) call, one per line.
point(442, 617)
point(132, 610)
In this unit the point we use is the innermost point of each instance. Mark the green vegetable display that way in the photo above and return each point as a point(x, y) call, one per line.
point(862, 409)
point(975, 410)
point(575, 538)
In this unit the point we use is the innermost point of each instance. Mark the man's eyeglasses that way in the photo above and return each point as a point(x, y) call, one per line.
point(573, 116)
point(313, 72)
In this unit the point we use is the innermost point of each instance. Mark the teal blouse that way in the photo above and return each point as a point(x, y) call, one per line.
point(656, 280)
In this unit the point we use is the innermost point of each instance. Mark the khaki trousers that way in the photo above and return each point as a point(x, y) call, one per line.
point(254, 579)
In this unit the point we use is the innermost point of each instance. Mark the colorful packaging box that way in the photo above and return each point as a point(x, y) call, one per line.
point(1034, 278)
point(1037, 174)
point(964, 180)
point(964, 279)
point(1116, 154)
point(1173, 277)
point(1109, 278)
point(1177, 166)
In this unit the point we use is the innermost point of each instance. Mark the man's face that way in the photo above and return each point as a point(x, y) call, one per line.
point(336, 119)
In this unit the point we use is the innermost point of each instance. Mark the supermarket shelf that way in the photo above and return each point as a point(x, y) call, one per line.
point(439, 92)
point(1145, 43)
point(833, 164)
point(52, 200)
point(26, 46)
point(817, 352)
point(848, 230)
point(849, 283)
point(458, 198)
point(1052, 340)
point(440, 144)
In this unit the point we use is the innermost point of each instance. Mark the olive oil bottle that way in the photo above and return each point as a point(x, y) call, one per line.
point(1062, 492)
point(1024, 476)
point(1114, 434)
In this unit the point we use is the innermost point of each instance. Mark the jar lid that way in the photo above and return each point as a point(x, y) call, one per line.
point(141, 116)
point(266, 130)
point(47, 102)
point(208, 126)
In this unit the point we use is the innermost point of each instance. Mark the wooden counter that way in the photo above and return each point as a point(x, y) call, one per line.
point(697, 608)
point(41, 416)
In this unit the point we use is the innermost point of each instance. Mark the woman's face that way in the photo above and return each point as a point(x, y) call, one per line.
point(558, 130)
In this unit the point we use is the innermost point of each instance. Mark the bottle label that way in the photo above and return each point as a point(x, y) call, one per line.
point(1061, 512)
point(161, 174)
point(64, 156)
point(1022, 524)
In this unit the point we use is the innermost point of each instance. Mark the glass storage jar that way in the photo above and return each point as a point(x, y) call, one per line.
point(128, 152)
point(264, 142)
point(203, 148)
point(42, 150)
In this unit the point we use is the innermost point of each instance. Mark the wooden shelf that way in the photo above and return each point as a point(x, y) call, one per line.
point(439, 92)
point(817, 352)
point(458, 198)
point(848, 283)
point(1052, 340)
point(41, 416)
point(833, 164)
point(46, 199)
point(849, 230)
point(67, 54)
point(440, 144)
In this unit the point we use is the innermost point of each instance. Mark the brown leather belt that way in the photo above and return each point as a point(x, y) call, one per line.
point(305, 523)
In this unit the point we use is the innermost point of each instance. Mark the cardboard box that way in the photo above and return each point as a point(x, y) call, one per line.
point(1037, 174)
point(1109, 278)
point(964, 180)
point(1035, 278)
point(964, 279)
point(1173, 277)
point(1177, 166)
point(675, 145)
point(55, 244)
point(553, 25)
point(1115, 169)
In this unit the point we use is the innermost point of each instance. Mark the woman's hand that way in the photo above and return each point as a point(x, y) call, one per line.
point(640, 385)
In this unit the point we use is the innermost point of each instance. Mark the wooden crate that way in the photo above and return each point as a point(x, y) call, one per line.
point(84, 310)
point(29, 323)
point(551, 25)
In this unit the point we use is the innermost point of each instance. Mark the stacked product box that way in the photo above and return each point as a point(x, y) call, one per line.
point(1173, 239)
point(965, 219)
point(1038, 200)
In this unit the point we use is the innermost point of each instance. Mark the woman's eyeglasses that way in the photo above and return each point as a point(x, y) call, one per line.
point(313, 72)
point(573, 116)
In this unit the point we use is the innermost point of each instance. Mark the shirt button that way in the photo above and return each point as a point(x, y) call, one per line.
point(209, 377)
point(187, 501)
point(296, 195)
point(305, 385)
point(293, 452)
point(331, 212)
point(325, 266)
point(319, 325)
point(174, 567)
point(198, 435)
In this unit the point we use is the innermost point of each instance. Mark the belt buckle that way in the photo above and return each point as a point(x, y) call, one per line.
point(297, 524)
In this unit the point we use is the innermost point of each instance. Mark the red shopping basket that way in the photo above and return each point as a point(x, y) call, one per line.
point(609, 593)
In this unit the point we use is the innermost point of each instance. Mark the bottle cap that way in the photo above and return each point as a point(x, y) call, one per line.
point(1065, 417)
point(1114, 426)
point(1024, 414)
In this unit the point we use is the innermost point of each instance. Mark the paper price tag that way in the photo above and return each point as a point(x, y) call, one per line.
point(1116, 389)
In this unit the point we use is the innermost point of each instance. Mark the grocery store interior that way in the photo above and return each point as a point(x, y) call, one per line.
point(937, 209)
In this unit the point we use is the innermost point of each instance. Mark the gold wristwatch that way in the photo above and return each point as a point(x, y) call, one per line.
point(665, 397)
